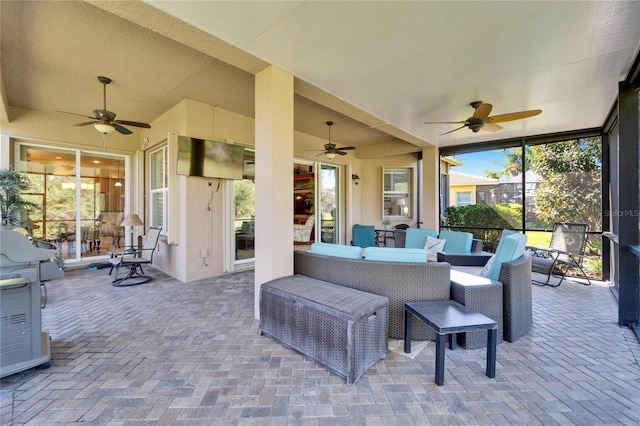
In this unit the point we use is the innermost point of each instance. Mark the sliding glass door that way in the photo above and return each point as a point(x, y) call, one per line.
point(328, 202)
point(245, 210)
point(80, 197)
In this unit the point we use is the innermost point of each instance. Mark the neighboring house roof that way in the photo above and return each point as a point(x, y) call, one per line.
point(453, 161)
point(458, 179)
point(529, 176)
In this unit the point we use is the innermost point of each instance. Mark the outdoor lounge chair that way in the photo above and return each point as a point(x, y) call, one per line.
point(566, 250)
point(132, 260)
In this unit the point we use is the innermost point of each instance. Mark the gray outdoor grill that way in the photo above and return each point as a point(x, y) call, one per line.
point(23, 266)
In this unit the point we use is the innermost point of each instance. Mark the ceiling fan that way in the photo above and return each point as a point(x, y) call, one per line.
point(480, 120)
point(330, 149)
point(103, 120)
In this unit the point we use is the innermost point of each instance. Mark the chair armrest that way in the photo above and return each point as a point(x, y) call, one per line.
point(123, 251)
point(538, 251)
point(476, 246)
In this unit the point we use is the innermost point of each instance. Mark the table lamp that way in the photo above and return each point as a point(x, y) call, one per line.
point(401, 203)
point(131, 220)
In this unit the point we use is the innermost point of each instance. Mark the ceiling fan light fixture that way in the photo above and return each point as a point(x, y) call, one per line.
point(104, 127)
point(330, 155)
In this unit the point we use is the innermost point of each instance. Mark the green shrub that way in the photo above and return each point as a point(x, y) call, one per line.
point(498, 216)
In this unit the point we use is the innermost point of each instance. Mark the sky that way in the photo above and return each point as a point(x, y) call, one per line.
point(478, 163)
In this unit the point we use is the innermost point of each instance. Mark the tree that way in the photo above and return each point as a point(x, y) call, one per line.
point(12, 206)
point(570, 184)
point(512, 163)
point(245, 199)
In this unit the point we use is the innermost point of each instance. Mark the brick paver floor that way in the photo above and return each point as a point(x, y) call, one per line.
point(172, 353)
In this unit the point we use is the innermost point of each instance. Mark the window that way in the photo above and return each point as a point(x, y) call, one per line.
point(159, 189)
point(396, 192)
point(463, 198)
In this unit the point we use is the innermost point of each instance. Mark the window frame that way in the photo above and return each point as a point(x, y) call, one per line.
point(160, 190)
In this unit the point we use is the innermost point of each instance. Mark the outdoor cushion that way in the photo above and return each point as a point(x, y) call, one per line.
point(337, 250)
point(392, 254)
point(364, 236)
point(510, 247)
point(433, 246)
point(417, 237)
point(457, 242)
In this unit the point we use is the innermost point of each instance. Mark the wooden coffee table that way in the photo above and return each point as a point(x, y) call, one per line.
point(447, 318)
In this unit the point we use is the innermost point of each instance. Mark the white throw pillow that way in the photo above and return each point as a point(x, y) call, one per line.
point(487, 267)
point(432, 246)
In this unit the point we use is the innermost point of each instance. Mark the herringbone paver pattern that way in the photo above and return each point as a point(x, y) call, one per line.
point(173, 353)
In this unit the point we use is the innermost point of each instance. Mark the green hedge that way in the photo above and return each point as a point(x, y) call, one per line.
point(486, 216)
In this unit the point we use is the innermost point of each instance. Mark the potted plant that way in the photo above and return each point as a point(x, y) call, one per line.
point(12, 207)
point(386, 222)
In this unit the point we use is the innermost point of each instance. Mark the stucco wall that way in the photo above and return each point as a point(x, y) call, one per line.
point(196, 229)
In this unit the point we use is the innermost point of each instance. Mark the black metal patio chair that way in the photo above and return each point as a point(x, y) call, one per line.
point(132, 260)
point(566, 250)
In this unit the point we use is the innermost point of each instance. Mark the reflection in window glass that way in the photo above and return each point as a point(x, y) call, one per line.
point(159, 189)
point(328, 183)
point(245, 209)
point(396, 195)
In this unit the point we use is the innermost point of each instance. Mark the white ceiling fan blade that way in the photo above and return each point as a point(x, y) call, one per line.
point(445, 122)
point(501, 118)
point(451, 131)
point(482, 111)
point(491, 127)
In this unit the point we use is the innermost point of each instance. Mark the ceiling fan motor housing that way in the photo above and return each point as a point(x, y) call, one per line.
point(475, 124)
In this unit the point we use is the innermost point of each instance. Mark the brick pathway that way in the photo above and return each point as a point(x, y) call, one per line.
point(172, 353)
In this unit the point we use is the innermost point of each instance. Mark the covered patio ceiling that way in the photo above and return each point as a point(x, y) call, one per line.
point(378, 69)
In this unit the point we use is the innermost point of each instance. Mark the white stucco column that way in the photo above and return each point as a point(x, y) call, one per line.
point(430, 188)
point(4, 151)
point(274, 177)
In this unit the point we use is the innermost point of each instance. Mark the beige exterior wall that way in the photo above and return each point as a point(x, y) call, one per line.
point(194, 229)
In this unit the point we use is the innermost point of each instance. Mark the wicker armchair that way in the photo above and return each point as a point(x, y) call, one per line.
point(302, 233)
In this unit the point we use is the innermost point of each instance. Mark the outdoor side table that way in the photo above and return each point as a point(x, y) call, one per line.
point(447, 318)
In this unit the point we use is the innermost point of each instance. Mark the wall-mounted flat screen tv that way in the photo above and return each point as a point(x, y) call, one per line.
point(210, 159)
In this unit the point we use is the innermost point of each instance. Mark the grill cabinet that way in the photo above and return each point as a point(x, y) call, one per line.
point(23, 344)
point(341, 328)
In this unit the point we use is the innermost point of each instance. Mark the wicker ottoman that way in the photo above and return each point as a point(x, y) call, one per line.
point(482, 295)
point(341, 328)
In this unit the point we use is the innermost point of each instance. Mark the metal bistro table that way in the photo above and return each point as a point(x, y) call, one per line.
point(447, 318)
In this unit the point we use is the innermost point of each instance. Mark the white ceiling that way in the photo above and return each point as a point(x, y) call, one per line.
point(402, 62)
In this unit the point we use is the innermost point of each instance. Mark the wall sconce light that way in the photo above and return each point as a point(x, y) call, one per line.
point(355, 178)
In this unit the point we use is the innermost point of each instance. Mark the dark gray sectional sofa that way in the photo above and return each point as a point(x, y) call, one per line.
point(400, 282)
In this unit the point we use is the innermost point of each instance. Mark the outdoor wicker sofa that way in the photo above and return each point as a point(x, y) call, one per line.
point(400, 282)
